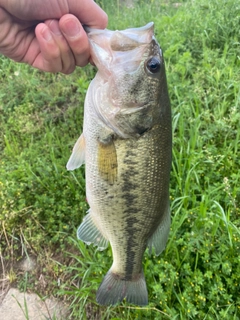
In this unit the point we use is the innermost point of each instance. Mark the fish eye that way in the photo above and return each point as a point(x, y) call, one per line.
point(153, 65)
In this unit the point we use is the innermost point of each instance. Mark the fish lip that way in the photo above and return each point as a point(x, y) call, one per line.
point(141, 36)
point(92, 31)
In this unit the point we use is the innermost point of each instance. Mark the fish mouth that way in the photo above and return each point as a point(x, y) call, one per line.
point(113, 49)
point(140, 35)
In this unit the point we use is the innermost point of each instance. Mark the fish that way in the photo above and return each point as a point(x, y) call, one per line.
point(126, 145)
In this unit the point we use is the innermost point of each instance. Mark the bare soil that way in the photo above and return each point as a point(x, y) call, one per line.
point(16, 305)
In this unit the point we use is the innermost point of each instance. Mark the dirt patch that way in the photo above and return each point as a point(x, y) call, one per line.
point(16, 305)
point(21, 306)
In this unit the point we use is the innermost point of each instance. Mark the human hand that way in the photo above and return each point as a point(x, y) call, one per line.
point(48, 34)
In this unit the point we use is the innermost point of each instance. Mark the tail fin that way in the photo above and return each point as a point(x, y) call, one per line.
point(113, 290)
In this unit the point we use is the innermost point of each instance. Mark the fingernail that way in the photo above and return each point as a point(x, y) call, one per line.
point(54, 27)
point(71, 28)
point(46, 34)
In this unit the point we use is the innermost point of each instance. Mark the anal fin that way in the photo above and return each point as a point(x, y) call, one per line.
point(160, 236)
point(89, 233)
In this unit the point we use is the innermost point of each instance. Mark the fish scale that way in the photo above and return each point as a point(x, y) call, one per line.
point(126, 147)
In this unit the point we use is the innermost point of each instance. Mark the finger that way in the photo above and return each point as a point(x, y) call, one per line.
point(49, 56)
point(66, 55)
point(76, 38)
point(89, 13)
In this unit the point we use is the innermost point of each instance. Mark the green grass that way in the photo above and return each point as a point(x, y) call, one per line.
point(198, 275)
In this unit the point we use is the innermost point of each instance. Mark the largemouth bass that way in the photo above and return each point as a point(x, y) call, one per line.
point(126, 146)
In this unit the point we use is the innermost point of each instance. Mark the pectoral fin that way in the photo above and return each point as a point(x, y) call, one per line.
point(107, 160)
point(77, 157)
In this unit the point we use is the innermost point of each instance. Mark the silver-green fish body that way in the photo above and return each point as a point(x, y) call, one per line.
point(126, 145)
